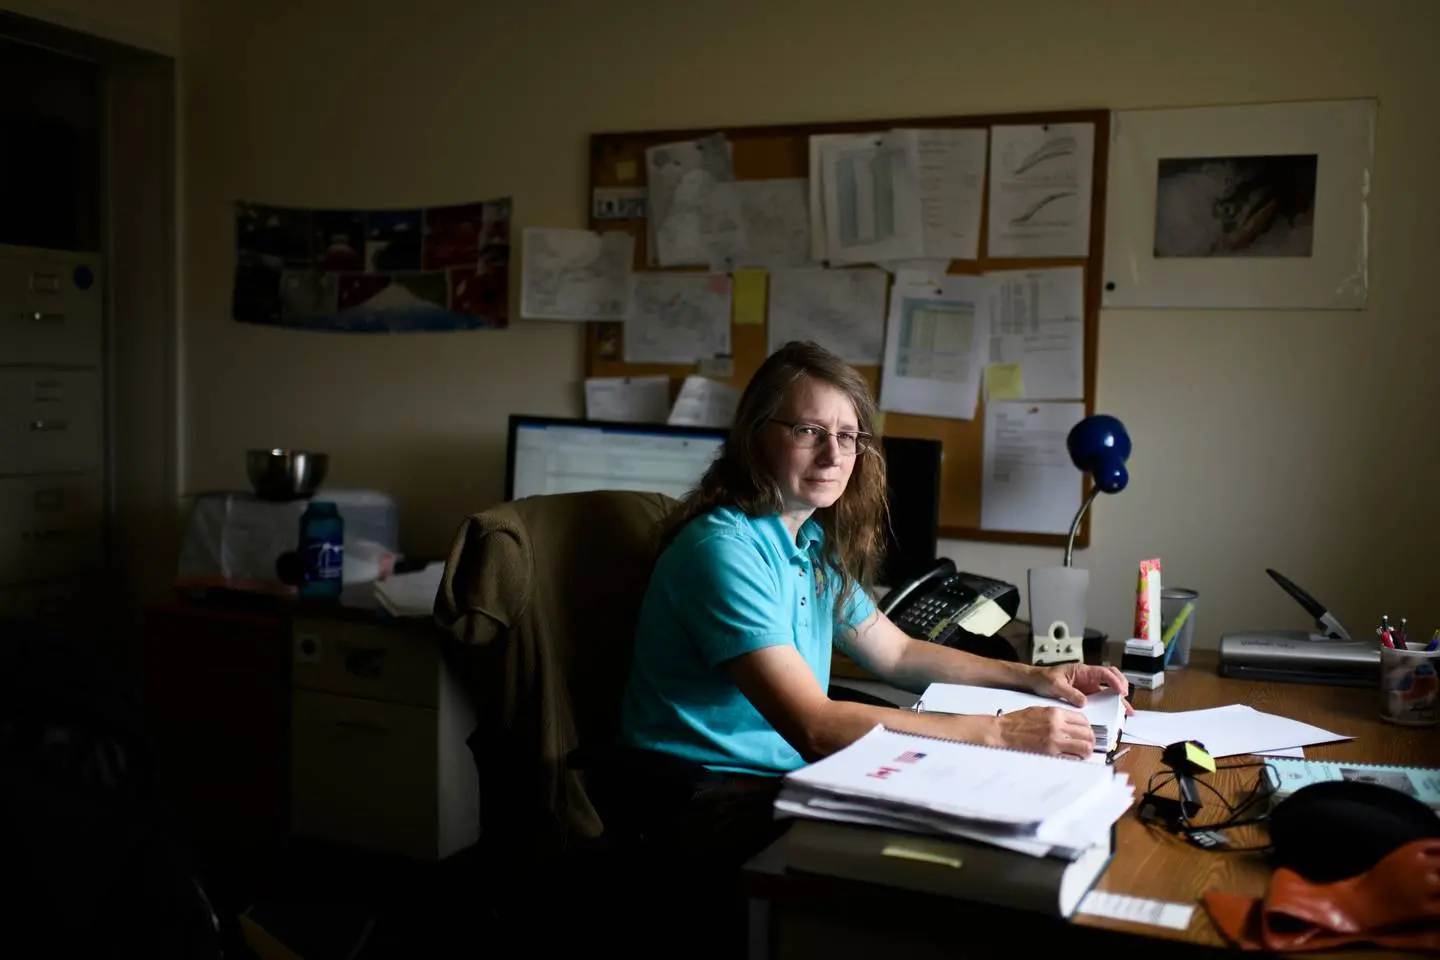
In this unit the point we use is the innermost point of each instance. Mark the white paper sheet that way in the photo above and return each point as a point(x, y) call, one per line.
point(952, 182)
point(776, 222)
point(693, 204)
point(842, 310)
point(1226, 731)
point(628, 399)
point(934, 346)
point(677, 317)
point(1028, 484)
point(871, 190)
point(819, 249)
point(1155, 913)
point(1037, 319)
point(576, 275)
point(703, 402)
point(1040, 183)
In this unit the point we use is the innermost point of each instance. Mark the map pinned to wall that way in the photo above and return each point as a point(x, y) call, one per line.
point(373, 271)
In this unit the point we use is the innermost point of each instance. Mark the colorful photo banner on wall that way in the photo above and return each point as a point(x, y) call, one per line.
point(373, 271)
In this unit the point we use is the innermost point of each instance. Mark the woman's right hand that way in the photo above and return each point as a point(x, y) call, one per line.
point(1056, 731)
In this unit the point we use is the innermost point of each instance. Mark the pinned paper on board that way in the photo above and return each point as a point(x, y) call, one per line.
point(748, 294)
point(1004, 381)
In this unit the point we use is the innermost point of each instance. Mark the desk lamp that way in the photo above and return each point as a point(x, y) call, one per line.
point(1099, 447)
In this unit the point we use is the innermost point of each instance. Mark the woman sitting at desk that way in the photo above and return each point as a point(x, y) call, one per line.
point(762, 568)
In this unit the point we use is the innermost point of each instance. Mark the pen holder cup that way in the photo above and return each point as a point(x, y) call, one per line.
point(1177, 611)
point(1410, 685)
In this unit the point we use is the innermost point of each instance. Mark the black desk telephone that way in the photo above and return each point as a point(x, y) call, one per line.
point(961, 610)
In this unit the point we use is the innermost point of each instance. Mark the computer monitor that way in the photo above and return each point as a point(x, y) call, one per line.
point(912, 476)
point(557, 455)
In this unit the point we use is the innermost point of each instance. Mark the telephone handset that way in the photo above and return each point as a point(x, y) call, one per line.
point(962, 610)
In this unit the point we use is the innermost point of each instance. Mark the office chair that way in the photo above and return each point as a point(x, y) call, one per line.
point(540, 597)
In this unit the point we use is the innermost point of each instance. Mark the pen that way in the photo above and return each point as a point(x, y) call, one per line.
point(1434, 643)
point(1118, 754)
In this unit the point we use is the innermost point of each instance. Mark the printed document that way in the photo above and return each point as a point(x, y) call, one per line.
point(842, 310)
point(1104, 710)
point(1027, 483)
point(693, 204)
point(1225, 731)
point(1037, 322)
point(819, 248)
point(677, 317)
point(934, 346)
point(1040, 183)
point(705, 403)
point(952, 181)
point(575, 274)
point(871, 190)
point(627, 399)
point(776, 224)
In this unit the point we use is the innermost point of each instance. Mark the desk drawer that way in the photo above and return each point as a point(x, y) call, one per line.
point(394, 662)
point(50, 420)
point(50, 526)
point(46, 317)
point(364, 773)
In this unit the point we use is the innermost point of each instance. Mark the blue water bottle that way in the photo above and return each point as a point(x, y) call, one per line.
point(322, 550)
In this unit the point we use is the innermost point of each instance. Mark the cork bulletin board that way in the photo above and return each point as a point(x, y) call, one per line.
point(617, 160)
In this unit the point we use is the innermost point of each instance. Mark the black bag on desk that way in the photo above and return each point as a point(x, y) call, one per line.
point(91, 867)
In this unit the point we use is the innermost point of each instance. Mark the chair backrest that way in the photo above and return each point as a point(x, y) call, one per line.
point(542, 595)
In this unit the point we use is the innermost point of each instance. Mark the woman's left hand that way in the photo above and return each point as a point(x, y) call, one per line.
point(1072, 681)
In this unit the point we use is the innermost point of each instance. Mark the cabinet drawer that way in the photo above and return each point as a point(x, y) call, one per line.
point(364, 773)
point(50, 420)
point(398, 663)
point(50, 526)
point(48, 315)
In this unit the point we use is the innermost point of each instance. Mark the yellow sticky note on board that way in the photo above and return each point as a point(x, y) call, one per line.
point(748, 297)
point(626, 170)
point(879, 422)
point(1003, 381)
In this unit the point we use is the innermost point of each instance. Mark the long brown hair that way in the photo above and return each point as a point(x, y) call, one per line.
point(738, 477)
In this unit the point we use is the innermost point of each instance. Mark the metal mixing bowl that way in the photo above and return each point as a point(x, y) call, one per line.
point(279, 474)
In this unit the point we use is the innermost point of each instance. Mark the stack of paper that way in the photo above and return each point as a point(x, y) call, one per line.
point(1105, 711)
point(1026, 802)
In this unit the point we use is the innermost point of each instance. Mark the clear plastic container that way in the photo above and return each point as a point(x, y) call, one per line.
point(1177, 602)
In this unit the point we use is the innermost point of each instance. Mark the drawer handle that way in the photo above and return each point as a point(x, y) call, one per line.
point(369, 726)
point(45, 282)
point(42, 316)
point(49, 426)
point(37, 536)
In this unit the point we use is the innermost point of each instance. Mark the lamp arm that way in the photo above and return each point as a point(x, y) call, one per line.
point(1075, 525)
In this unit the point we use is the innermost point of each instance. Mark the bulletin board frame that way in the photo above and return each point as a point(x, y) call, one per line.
point(782, 151)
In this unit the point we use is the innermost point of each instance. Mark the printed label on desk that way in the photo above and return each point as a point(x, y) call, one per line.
point(1156, 913)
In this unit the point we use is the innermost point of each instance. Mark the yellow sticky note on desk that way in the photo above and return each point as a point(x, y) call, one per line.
point(1003, 381)
point(748, 297)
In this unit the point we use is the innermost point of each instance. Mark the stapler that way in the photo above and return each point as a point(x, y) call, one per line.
point(1326, 655)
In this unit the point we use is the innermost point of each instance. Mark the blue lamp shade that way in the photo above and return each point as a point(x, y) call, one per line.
point(1099, 446)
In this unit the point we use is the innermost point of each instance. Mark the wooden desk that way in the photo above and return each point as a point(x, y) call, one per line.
point(827, 917)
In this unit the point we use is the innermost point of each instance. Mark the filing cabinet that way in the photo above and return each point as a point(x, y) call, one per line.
point(52, 428)
point(377, 744)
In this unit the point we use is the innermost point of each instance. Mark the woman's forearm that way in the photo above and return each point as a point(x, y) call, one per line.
point(923, 663)
point(844, 722)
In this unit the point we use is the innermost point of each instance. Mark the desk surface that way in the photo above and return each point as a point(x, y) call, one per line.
point(1153, 864)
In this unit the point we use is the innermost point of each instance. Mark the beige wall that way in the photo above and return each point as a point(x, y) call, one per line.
point(1303, 441)
point(148, 24)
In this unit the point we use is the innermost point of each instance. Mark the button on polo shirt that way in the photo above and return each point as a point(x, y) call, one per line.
point(728, 585)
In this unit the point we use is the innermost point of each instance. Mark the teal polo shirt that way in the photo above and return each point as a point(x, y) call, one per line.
point(727, 585)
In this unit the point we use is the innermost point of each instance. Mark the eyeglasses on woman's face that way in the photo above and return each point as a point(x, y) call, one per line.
point(807, 436)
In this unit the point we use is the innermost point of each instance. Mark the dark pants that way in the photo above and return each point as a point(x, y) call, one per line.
point(693, 830)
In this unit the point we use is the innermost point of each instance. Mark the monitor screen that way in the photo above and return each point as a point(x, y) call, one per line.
point(554, 455)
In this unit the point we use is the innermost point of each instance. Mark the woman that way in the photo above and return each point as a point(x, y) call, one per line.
point(762, 570)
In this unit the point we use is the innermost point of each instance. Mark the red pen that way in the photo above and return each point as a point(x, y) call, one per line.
point(1385, 639)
